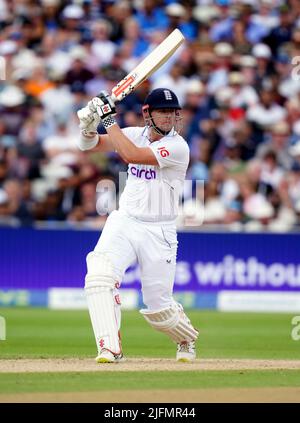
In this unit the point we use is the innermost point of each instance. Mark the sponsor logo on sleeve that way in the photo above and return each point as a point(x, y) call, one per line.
point(163, 152)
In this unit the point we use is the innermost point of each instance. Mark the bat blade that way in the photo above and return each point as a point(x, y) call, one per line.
point(148, 66)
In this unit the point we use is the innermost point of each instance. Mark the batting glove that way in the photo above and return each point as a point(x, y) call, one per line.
point(89, 120)
point(106, 108)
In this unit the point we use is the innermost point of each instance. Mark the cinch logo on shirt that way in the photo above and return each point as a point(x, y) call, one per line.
point(143, 173)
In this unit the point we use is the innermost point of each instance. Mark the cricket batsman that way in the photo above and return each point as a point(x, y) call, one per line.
point(143, 228)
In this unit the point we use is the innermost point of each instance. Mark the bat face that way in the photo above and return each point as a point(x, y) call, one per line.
point(148, 66)
point(124, 87)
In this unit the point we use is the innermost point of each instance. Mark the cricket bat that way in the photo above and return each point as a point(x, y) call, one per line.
point(148, 66)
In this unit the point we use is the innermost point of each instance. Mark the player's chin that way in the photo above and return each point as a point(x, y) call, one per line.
point(166, 127)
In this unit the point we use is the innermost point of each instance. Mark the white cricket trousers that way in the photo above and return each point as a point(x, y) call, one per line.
point(126, 240)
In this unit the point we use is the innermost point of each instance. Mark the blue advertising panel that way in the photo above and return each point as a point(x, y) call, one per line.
point(40, 259)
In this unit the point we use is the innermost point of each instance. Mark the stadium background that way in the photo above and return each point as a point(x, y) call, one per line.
point(237, 79)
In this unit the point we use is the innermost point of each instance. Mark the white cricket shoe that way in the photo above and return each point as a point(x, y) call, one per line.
point(186, 352)
point(107, 356)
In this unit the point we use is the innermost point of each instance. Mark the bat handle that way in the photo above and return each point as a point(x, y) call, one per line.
point(112, 96)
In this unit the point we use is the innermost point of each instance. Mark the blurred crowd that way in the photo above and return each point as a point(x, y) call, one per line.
point(237, 77)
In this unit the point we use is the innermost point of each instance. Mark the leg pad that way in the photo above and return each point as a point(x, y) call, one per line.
point(173, 322)
point(104, 312)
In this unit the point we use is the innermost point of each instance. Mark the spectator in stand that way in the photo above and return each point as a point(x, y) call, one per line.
point(288, 86)
point(265, 15)
point(175, 80)
point(278, 140)
point(247, 65)
point(271, 173)
point(151, 17)
point(199, 105)
point(243, 96)
point(240, 42)
point(234, 76)
point(219, 75)
point(294, 184)
point(78, 72)
point(60, 148)
point(266, 113)
point(181, 17)
point(281, 33)
point(132, 36)
point(38, 82)
point(116, 13)
point(102, 47)
point(17, 206)
point(264, 66)
point(223, 30)
point(243, 136)
point(204, 64)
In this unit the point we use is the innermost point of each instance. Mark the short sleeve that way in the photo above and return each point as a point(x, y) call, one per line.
point(175, 153)
point(134, 134)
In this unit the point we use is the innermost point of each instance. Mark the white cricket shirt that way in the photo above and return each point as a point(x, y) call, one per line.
point(152, 193)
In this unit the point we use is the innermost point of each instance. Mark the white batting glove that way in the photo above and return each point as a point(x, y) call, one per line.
point(105, 108)
point(89, 120)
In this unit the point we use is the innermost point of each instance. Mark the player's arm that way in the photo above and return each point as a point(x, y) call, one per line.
point(115, 140)
point(104, 144)
point(90, 140)
point(128, 151)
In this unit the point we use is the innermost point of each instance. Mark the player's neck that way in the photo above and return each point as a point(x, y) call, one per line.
point(154, 136)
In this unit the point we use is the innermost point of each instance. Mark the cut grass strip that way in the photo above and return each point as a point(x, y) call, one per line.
point(107, 381)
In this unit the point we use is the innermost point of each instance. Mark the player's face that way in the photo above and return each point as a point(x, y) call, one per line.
point(164, 119)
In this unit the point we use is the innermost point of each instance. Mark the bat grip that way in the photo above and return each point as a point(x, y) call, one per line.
point(112, 96)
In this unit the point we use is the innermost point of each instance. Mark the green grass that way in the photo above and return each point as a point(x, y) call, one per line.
point(37, 333)
point(48, 333)
point(100, 381)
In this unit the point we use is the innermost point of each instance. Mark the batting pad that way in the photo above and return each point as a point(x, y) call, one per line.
point(102, 302)
point(2, 329)
point(172, 321)
point(100, 271)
